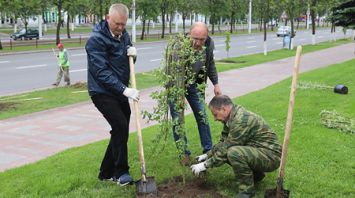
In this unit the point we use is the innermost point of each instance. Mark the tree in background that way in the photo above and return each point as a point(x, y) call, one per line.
point(237, 10)
point(344, 15)
point(25, 9)
point(147, 10)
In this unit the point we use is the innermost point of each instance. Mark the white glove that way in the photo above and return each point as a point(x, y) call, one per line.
point(198, 168)
point(132, 51)
point(131, 93)
point(201, 158)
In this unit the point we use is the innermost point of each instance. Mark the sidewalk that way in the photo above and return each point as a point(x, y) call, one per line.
point(33, 137)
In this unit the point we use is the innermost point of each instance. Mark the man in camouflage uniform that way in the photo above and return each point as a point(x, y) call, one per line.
point(247, 143)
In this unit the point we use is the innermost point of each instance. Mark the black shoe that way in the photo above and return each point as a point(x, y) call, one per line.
point(104, 177)
point(258, 176)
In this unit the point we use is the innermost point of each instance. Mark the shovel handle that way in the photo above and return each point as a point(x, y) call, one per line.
point(289, 115)
point(138, 120)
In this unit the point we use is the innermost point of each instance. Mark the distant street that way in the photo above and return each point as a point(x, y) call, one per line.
point(25, 72)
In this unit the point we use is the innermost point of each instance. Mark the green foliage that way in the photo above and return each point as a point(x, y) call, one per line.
point(344, 14)
point(227, 41)
point(319, 162)
point(334, 120)
point(175, 75)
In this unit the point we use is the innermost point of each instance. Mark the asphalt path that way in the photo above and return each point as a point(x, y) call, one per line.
point(25, 72)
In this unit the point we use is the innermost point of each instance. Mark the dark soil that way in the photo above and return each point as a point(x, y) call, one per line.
point(271, 193)
point(230, 61)
point(175, 188)
point(79, 85)
point(7, 105)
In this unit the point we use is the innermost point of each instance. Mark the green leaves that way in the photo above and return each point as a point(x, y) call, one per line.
point(175, 75)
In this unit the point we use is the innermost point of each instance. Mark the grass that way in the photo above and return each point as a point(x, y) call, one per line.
point(58, 97)
point(320, 162)
point(244, 61)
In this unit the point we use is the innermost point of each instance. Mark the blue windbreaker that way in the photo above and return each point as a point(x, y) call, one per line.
point(108, 66)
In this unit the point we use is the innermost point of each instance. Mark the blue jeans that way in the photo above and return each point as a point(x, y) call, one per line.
point(196, 101)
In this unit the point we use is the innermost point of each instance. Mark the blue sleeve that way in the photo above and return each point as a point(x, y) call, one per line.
point(99, 66)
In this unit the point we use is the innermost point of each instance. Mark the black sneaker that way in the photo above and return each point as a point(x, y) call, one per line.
point(103, 177)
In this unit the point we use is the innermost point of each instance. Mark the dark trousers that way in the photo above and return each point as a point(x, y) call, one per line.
point(117, 113)
point(197, 104)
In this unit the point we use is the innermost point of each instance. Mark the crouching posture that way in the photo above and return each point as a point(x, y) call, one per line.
point(247, 144)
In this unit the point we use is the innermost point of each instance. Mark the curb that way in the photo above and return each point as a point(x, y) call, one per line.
point(36, 51)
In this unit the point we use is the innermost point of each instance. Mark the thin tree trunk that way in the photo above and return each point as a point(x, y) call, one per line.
point(143, 29)
point(68, 29)
point(163, 24)
point(148, 27)
point(59, 21)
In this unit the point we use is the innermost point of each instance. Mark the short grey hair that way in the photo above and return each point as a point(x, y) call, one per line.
point(220, 100)
point(119, 8)
point(196, 24)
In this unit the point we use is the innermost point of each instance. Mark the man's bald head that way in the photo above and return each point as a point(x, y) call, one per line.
point(198, 33)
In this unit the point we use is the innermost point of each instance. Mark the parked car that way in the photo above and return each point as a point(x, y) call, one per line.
point(23, 35)
point(284, 30)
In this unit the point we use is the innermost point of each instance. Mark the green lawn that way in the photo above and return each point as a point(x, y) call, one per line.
point(320, 161)
point(57, 97)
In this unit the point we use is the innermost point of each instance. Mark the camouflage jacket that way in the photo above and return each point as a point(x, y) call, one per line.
point(243, 128)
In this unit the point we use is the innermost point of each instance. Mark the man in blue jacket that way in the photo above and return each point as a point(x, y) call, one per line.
point(108, 50)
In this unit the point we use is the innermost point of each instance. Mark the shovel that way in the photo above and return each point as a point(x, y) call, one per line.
point(146, 185)
point(279, 192)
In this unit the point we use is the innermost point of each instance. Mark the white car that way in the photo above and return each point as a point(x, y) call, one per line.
point(283, 31)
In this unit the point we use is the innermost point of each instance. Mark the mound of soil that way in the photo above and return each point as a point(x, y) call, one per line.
point(79, 85)
point(7, 105)
point(175, 188)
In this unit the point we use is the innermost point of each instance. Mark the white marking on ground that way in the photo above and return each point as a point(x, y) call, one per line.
point(79, 54)
point(79, 91)
point(31, 66)
point(144, 48)
point(78, 70)
point(154, 60)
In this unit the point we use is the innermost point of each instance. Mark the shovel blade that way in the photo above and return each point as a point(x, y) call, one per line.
point(146, 187)
point(272, 193)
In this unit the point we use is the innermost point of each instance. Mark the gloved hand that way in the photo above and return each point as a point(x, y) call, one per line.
point(132, 51)
point(131, 93)
point(198, 168)
point(201, 158)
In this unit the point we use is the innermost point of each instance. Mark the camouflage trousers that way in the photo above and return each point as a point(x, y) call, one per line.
point(247, 161)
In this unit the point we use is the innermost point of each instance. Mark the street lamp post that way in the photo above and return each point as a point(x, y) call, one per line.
point(249, 18)
point(133, 21)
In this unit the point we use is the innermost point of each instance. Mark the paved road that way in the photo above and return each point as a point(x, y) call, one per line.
point(29, 138)
point(24, 72)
